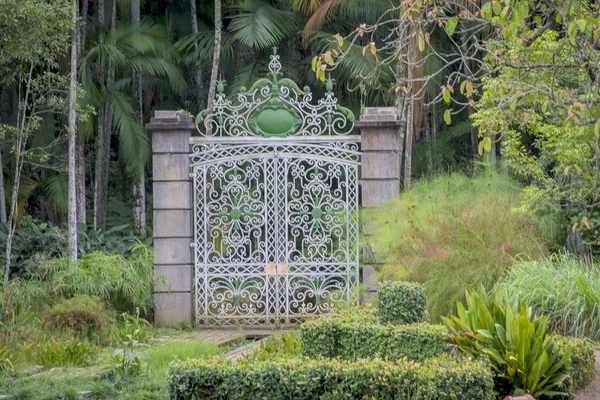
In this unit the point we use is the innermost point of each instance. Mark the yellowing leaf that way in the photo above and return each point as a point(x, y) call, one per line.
point(447, 96)
point(448, 117)
point(421, 42)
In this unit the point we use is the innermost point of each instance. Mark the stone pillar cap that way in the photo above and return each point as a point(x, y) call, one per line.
point(379, 116)
point(171, 121)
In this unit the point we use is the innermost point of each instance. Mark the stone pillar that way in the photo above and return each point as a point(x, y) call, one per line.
point(381, 141)
point(173, 216)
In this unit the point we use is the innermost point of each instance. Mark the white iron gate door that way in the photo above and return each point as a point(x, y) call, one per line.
point(276, 231)
point(276, 204)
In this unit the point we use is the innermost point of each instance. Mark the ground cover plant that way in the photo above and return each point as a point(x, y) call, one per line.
point(453, 233)
point(525, 358)
point(563, 287)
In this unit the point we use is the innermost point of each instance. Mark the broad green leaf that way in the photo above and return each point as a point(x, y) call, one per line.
point(597, 128)
point(451, 25)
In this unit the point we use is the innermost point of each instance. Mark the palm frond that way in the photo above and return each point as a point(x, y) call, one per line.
point(259, 25)
point(134, 144)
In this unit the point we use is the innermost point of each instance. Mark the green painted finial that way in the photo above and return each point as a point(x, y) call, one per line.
point(221, 86)
point(329, 83)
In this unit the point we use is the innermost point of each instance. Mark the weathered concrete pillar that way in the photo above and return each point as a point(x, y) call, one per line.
point(381, 140)
point(172, 201)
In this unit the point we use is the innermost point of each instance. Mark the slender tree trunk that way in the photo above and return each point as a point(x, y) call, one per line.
point(72, 132)
point(80, 143)
point(410, 123)
point(197, 69)
point(2, 188)
point(23, 131)
point(139, 178)
point(216, 54)
point(99, 185)
point(103, 152)
point(408, 146)
point(401, 103)
point(2, 193)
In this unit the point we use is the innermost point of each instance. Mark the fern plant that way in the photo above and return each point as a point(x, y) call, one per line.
point(500, 328)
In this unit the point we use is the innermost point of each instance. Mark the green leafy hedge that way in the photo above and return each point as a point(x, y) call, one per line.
point(335, 338)
point(299, 379)
point(401, 303)
point(581, 366)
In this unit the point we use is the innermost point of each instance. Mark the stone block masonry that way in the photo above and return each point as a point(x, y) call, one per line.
point(173, 216)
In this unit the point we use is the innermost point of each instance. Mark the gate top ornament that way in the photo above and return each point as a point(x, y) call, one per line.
point(275, 107)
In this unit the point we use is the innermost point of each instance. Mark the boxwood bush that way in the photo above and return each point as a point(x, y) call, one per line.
point(335, 338)
point(302, 378)
point(401, 303)
point(580, 367)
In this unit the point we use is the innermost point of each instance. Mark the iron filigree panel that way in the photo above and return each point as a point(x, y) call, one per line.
point(276, 203)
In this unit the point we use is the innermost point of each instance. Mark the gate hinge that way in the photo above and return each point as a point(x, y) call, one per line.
point(192, 244)
point(192, 174)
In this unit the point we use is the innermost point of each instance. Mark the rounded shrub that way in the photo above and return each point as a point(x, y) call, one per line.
point(401, 303)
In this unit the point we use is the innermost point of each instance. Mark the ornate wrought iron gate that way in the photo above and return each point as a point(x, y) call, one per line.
point(276, 201)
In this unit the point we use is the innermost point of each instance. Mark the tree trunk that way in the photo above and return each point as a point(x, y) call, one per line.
point(216, 54)
point(99, 167)
point(2, 188)
point(197, 69)
point(410, 120)
point(2, 192)
point(408, 146)
point(103, 147)
point(80, 143)
point(139, 179)
point(400, 106)
point(72, 132)
point(22, 134)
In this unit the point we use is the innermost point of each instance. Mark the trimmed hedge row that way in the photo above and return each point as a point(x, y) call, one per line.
point(401, 303)
point(328, 337)
point(581, 366)
point(299, 379)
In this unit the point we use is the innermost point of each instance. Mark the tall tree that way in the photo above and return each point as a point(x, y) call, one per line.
point(2, 192)
point(197, 68)
point(72, 133)
point(31, 47)
point(80, 160)
point(217, 53)
point(139, 176)
point(101, 168)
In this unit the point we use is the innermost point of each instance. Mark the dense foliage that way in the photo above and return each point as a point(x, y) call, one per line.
point(503, 330)
point(400, 303)
point(439, 378)
point(328, 337)
point(564, 288)
point(453, 233)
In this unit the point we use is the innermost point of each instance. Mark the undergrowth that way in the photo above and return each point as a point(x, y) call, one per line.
point(454, 233)
point(563, 287)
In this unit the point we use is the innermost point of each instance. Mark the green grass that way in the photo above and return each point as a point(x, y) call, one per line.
point(453, 233)
point(85, 384)
point(161, 357)
point(564, 288)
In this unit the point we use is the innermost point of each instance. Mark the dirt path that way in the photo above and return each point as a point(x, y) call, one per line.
point(592, 391)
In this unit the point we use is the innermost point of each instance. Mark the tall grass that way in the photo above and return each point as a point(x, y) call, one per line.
point(126, 283)
point(563, 287)
point(454, 233)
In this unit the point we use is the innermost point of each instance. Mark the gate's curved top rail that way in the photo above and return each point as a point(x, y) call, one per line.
point(210, 153)
point(275, 107)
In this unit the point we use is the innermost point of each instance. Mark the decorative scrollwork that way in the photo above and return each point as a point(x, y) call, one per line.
point(275, 107)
